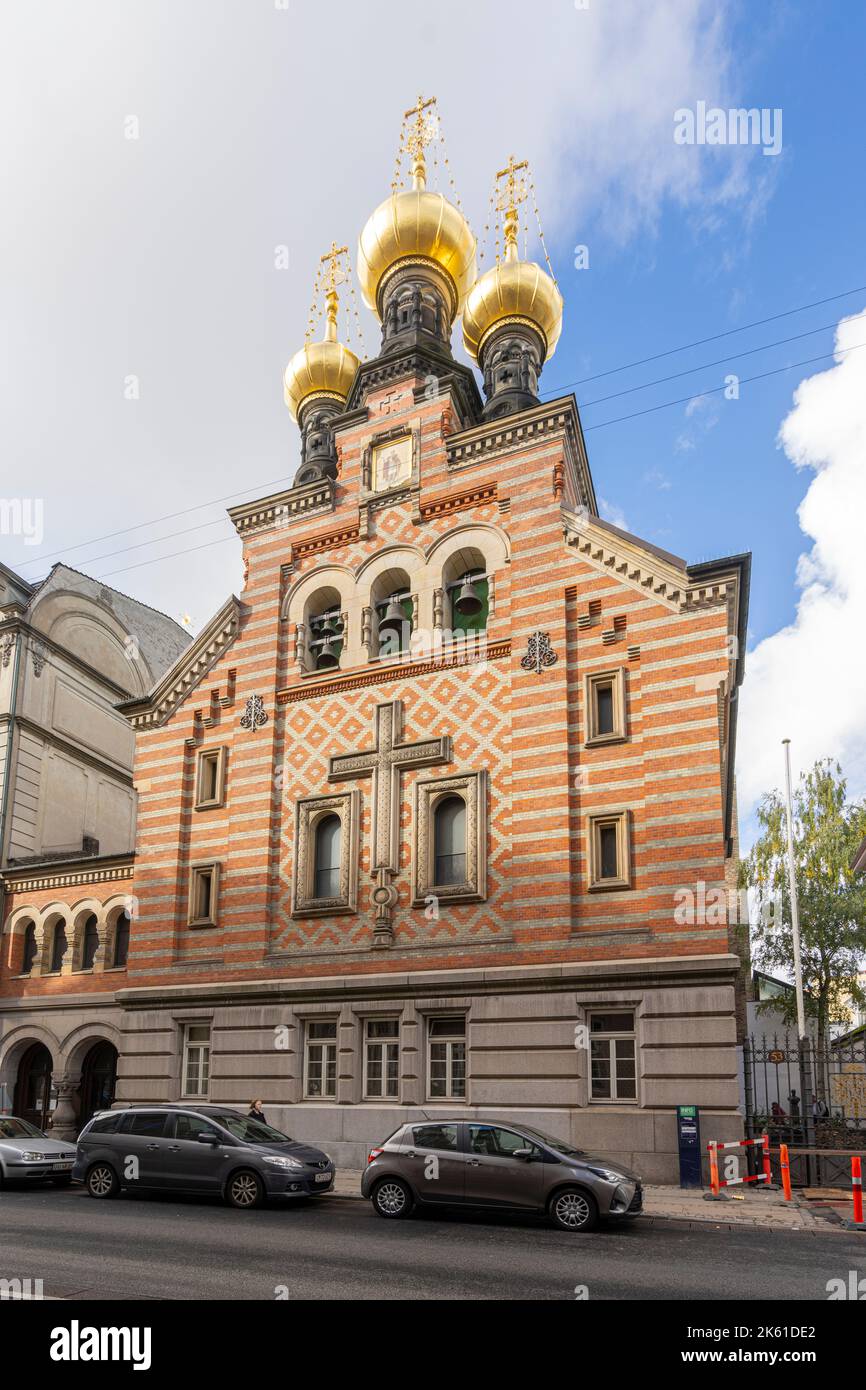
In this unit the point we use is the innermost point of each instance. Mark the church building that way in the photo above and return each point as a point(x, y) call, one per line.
point(417, 809)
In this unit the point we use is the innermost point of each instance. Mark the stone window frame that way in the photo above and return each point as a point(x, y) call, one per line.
point(219, 751)
point(328, 1019)
point(309, 810)
point(615, 677)
point(632, 1033)
point(595, 823)
point(472, 786)
point(196, 870)
point(184, 1025)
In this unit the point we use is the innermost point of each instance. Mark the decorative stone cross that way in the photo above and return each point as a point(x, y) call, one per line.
point(388, 757)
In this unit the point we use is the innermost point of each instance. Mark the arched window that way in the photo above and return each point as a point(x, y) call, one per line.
point(58, 948)
point(31, 949)
point(327, 872)
point(90, 943)
point(121, 941)
point(449, 837)
point(470, 601)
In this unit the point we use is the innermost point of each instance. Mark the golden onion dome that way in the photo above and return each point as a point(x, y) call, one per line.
point(513, 290)
point(417, 224)
point(325, 369)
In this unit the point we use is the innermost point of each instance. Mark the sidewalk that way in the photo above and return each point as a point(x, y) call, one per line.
point(751, 1208)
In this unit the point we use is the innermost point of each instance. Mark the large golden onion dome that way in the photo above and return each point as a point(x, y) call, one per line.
point(413, 225)
point(326, 368)
point(513, 290)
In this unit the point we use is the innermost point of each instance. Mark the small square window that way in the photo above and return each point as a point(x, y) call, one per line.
point(609, 861)
point(210, 778)
point(203, 891)
point(605, 707)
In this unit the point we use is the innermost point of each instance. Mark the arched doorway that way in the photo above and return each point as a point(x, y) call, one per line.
point(33, 1088)
point(98, 1078)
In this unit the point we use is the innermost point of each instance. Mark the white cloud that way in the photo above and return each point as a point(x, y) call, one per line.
point(807, 682)
point(609, 511)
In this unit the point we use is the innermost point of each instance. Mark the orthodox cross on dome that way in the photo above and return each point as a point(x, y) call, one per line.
point(419, 133)
point(384, 762)
point(331, 273)
point(509, 195)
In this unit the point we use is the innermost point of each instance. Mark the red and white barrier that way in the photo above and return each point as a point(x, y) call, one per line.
point(714, 1149)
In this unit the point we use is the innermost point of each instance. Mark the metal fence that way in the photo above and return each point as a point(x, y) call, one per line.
point(808, 1098)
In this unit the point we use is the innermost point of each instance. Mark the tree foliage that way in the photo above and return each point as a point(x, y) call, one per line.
point(831, 896)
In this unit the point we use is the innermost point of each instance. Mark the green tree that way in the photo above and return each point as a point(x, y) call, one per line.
point(831, 896)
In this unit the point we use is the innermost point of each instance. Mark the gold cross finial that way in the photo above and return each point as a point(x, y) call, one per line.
point(515, 190)
point(419, 133)
point(335, 273)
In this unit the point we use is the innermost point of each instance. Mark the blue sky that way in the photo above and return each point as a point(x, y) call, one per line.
point(735, 490)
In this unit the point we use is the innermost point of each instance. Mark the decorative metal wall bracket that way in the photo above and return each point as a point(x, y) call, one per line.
point(539, 653)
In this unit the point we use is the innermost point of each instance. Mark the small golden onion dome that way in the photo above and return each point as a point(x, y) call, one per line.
point(417, 224)
point(322, 369)
point(514, 289)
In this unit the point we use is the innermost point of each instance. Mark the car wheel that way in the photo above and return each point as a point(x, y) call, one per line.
point(245, 1190)
point(101, 1181)
point(392, 1198)
point(572, 1209)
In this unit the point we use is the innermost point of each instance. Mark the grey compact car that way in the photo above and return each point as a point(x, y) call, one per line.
point(27, 1155)
point(499, 1166)
point(206, 1149)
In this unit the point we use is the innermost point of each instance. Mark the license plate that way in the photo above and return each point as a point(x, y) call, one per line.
point(60, 1167)
point(323, 1177)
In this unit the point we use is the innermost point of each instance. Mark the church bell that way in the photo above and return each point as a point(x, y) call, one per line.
point(393, 618)
point(326, 657)
point(467, 603)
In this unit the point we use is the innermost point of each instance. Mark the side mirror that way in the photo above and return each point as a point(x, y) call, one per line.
point(207, 1137)
point(522, 1153)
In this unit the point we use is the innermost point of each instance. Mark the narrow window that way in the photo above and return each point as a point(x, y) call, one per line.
point(450, 841)
point(320, 1061)
point(446, 1058)
point(121, 941)
point(58, 948)
point(609, 865)
point(327, 874)
point(605, 707)
point(196, 1059)
point(203, 894)
point(210, 778)
point(604, 721)
point(382, 1059)
point(31, 949)
point(612, 1045)
point(90, 943)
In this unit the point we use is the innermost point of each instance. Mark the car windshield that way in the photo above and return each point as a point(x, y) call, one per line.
point(251, 1131)
point(559, 1145)
point(13, 1128)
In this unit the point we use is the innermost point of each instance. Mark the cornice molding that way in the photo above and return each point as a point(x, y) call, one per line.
point(283, 508)
point(152, 710)
point(25, 880)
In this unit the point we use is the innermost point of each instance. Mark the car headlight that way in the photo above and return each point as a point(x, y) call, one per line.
point(609, 1175)
point(34, 1158)
point(280, 1162)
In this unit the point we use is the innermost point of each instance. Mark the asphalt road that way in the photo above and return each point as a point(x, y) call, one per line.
point(142, 1247)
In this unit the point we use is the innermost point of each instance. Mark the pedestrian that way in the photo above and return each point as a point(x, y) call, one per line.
point(820, 1109)
point(256, 1112)
point(777, 1112)
point(794, 1102)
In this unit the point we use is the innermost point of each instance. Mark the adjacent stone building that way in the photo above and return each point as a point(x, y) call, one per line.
point(413, 809)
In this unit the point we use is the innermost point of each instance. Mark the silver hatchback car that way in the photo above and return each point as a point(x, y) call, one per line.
point(499, 1166)
point(27, 1155)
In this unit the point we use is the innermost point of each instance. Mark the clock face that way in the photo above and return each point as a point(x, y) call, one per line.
point(392, 464)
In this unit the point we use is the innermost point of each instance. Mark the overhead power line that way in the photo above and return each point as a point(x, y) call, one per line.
point(699, 342)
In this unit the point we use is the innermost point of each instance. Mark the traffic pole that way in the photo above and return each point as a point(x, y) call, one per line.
point(714, 1169)
point(786, 1172)
point(768, 1169)
point(857, 1187)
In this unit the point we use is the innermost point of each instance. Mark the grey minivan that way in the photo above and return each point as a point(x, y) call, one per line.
point(499, 1166)
point(206, 1149)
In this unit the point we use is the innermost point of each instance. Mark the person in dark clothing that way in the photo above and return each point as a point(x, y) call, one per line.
point(256, 1112)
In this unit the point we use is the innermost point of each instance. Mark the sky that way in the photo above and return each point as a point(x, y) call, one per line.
point(176, 167)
